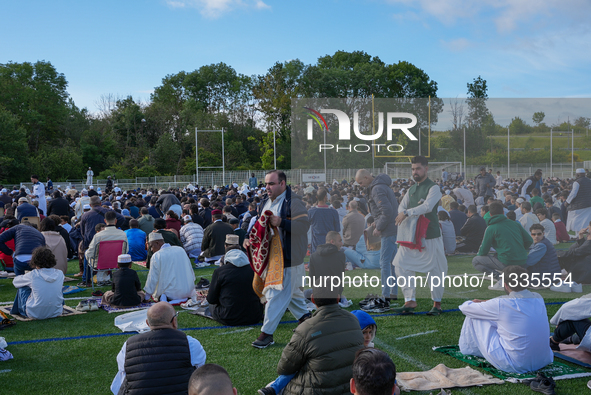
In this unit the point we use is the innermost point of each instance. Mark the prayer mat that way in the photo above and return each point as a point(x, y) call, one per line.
point(556, 370)
point(110, 309)
point(67, 311)
point(140, 263)
point(569, 353)
point(69, 279)
point(443, 377)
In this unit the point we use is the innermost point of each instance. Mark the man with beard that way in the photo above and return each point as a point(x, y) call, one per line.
point(422, 199)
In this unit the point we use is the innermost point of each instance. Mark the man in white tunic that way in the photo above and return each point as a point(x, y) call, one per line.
point(579, 203)
point(89, 175)
point(511, 331)
point(171, 276)
point(39, 193)
point(422, 199)
point(464, 195)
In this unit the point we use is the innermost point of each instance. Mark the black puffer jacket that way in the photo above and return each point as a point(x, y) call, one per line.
point(322, 351)
point(383, 205)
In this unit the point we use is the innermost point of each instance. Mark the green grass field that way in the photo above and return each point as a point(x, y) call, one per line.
point(57, 361)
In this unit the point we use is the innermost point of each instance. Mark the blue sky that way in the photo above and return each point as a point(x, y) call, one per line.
point(523, 48)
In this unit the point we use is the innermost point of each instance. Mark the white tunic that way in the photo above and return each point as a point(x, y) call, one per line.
point(171, 274)
point(575, 310)
point(511, 332)
point(89, 175)
point(39, 192)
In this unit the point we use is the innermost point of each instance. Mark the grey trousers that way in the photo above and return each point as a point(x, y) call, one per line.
point(488, 264)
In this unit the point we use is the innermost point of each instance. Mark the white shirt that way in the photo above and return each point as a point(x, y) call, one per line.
point(432, 200)
point(524, 189)
point(39, 192)
point(573, 193)
point(519, 325)
point(465, 195)
point(171, 274)
point(499, 181)
point(195, 349)
point(46, 299)
point(549, 230)
point(528, 219)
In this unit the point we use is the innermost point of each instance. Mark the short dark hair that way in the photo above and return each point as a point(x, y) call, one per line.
point(537, 226)
point(542, 211)
point(144, 210)
point(526, 206)
point(535, 191)
point(134, 223)
point(454, 206)
point(512, 216)
point(374, 372)
point(280, 175)
point(111, 216)
point(512, 277)
point(95, 201)
point(472, 209)
point(208, 377)
point(496, 208)
point(443, 216)
point(35, 176)
point(42, 258)
point(420, 159)
point(159, 223)
point(47, 225)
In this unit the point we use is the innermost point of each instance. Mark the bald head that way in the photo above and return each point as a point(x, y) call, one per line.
point(211, 379)
point(160, 315)
point(363, 177)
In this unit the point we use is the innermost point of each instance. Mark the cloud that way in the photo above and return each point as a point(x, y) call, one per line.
point(216, 8)
point(457, 45)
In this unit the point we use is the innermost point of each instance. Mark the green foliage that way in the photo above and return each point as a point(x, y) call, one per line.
point(13, 156)
point(59, 163)
point(517, 126)
point(538, 117)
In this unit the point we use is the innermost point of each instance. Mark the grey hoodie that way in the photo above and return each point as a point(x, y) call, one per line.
point(146, 223)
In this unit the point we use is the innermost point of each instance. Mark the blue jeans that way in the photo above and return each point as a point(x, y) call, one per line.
point(281, 382)
point(387, 254)
point(372, 259)
point(20, 301)
point(20, 267)
point(87, 275)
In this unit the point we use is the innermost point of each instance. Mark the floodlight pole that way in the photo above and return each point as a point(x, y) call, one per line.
point(465, 175)
point(508, 154)
point(572, 155)
point(551, 153)
point(274, 152)
point(223, 161)
point(196, 160)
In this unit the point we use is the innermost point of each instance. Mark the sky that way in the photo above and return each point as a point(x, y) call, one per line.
point(522, 48)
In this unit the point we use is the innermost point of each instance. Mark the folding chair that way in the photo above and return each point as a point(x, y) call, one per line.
point(105, 257)
point(32, 221)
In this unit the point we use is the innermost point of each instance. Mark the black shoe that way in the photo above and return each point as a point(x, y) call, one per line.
point(377, 305)
point(554, 346)
point(264, 342)
point(546, 385)
point(267, 391)
point(202, 284)
point(367, 299)
point(84, 285)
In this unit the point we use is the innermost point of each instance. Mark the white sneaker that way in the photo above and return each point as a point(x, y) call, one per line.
point(346, 303)
point(499, 286)
point(576, 287)
point(348, 266)
point(564, 287)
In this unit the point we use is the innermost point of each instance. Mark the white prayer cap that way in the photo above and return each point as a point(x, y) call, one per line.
point(90, 187)
point(118, 198)
point(124, 258)
point(447, 192)
point(86, 207)
point(154, 236)
point(520, 200)
point(579, 171)
point(188, 218)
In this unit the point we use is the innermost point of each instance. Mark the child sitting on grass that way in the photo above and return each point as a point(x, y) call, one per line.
point(561, 233)
point(127, 289)
point(368, 326)
point(39, 293)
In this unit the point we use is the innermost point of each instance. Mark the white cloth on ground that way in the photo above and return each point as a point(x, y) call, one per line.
point(575, 310)
point(511, 332)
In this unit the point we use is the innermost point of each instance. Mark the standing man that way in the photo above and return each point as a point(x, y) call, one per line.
point(49, 184)
point(444, 175)
point(578, 203)
point(109, 185)
point(383, 206)
point(252, 181)
point(89, 175)
point(499, 179)
point(422, 199)
point(39, 193)
point(484, 183)
point(291, 219)
point(530, 183)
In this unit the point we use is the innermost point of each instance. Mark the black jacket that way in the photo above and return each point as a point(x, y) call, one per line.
point(383, 205)
point(126, 283)
point(473, 230)
point(327, 260)
point(59, 206)
point(577, 260)
point(214, 237)
point(206, 215)
point(231, 291)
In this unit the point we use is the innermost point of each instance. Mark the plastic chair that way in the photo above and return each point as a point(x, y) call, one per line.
point(105, 257)
point(32, 221)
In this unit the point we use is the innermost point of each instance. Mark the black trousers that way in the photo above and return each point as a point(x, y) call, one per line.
point(568, 328)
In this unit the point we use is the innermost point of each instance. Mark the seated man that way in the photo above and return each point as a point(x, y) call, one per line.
point(161, 360)
point(510, 241)
point(365, 255)
point(319, 357)
point(549, 229)
point(232, 301)
point(109, 233)
point(171, 276)
point(136, 239)
point(191, 237)
point(473, 231)
point(577, 260)
point(212, 246)
point(528, 218)
point(211, 379)
point(510, 331)
point(374, 373)
point(572, 324)
point(561, 233)
point(542, 261)
point(127, 289)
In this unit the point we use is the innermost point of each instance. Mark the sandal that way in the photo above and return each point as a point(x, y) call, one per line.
point(404, 310)
point(83, 306)
point(93, 304)
point(435, 311)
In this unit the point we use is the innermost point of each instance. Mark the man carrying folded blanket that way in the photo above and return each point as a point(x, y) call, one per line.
point(276, 247)
point(428, 256)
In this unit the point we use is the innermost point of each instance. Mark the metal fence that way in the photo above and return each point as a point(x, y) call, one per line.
point(294, 176)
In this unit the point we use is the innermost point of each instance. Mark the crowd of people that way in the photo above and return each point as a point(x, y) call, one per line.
point(259, 235)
